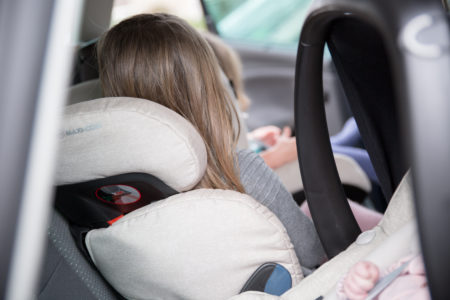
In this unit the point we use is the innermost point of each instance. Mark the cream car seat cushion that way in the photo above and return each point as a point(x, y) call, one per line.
point(108, 136)
point(349, 172)
point(202, 244)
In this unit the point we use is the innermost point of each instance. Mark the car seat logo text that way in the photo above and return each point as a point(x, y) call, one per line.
point(75, 131)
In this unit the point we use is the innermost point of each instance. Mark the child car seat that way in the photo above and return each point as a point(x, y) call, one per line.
point(352, 167)
point(201, 244)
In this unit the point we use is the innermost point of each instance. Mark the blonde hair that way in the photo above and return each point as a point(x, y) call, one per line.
point(231, 65)
point(161, 58)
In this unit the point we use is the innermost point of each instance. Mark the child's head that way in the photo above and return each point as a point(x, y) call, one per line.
point(161, 58)
point(231, 65)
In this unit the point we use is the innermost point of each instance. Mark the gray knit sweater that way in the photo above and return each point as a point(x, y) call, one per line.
point(263, 185)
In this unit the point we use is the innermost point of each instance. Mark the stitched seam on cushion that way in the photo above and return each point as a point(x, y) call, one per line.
point(173, 200)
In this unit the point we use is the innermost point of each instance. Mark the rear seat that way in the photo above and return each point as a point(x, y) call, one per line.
point(66, 273)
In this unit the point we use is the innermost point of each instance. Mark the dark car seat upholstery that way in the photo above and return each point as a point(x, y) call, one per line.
point(66, 273)
point(88, 150)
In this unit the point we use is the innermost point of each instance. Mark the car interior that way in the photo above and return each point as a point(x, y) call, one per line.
point(123, 220)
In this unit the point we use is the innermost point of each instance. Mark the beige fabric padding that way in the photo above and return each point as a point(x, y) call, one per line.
point(202, 244)
point(349, 171)
point(402, 243)
point(111, 136)
point(84, 91)
point(400, 212)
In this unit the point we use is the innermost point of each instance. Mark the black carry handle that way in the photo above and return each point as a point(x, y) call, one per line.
point(335, 223)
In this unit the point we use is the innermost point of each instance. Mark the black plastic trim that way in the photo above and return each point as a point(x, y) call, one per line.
point(258, 280)
point(79, 204)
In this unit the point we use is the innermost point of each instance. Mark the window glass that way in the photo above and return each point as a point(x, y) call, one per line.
point(266, 22)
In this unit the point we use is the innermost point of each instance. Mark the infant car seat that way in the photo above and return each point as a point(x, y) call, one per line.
point(118, 155)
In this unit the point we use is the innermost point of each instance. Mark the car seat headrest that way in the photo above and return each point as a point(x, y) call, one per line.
point(112, 136)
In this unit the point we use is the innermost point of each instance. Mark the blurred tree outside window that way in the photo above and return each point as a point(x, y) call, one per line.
point(255, 22)
point(264, 22)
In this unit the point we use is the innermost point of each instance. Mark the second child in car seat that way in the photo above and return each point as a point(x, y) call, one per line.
point(279, 146)
point(161, 58)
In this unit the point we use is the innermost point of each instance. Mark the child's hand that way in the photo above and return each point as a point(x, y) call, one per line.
point(267, 134)
point(283, 151)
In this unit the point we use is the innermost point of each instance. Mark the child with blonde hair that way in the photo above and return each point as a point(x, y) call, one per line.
point(161, 58)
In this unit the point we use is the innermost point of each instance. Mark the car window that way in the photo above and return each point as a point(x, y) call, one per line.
point(265, 22)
